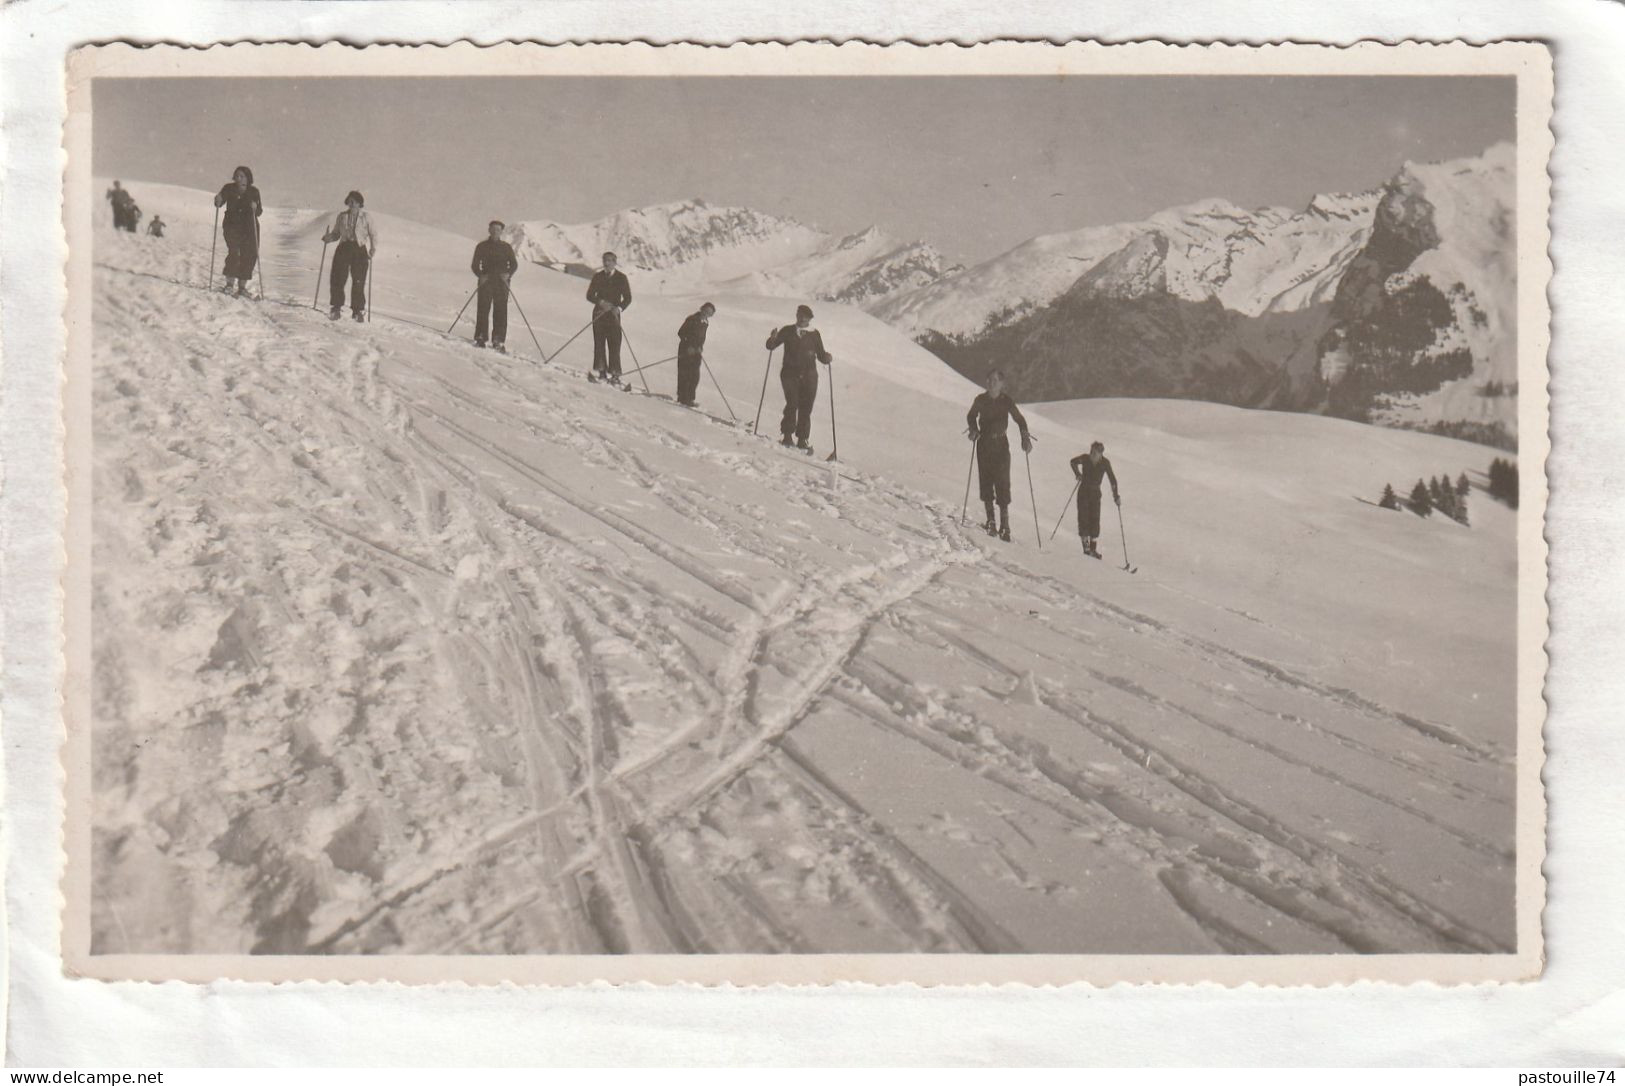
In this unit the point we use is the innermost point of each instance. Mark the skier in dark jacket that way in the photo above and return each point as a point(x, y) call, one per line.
point(986, 422)
point(610, 294)
point(119, 197)
point(494, 263)
point(357, 244)
point(798, 375)
point(155, 228)
point(240, 228)
point(1090, 468)
point(690, 351)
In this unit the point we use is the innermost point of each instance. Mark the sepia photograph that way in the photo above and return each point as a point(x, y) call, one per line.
point(807, 513)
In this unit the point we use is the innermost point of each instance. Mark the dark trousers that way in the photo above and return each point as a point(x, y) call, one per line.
point(1089, 513)
point(491, 312)
point(800, 386)
point(350, 262)
point(993, 468)
point(241, 253)
point(688, 374)
point(606, 343)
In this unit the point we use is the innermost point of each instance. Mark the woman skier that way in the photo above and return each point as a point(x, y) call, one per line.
point(240, 228)
point(1090, 468)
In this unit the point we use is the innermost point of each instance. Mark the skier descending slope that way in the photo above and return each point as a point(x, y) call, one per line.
point(1090, 468)
point(803, 350)
point(690, 348)
point(494, 263)
point(155, 228)
point(610, 294)
point(357, 244)
point(243, 207)
point(988, 419)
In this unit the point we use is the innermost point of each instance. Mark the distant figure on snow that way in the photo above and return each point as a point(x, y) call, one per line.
point(120, 198)
point(494, 263)
point(798, 375)
point(1090, 468)
point(690, 349)
point(986, 423)
point(240, 228)
point(610, 294)
point(357, 244)
point(155, 228)
point(132, 217)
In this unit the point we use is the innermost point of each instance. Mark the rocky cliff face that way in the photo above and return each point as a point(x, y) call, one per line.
point(1395, 307)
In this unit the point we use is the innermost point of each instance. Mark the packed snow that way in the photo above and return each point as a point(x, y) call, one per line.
point(404, 647)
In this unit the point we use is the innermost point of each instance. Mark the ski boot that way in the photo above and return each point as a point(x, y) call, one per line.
point(480, 343)
point(787, 441)
point(805, 447)
point(1004, 533)
point(360, 318)
point(497, 345)
point(990, 527)
point(334, 312)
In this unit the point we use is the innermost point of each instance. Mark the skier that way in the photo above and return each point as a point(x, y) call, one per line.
point(494, 263)
point(118, 196)
point(690, 346)
point(357, 244)
point(803, 347)
point(1089, 468)
point(610, 294)
point(242, 203)
point(155, 228)
point(132, 217)
point(986, 422)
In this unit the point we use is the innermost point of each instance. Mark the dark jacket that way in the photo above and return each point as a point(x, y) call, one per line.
point(494, 255)
point(800, 348)
point(990, 415)
point(609, 288)
point(242, 208)
point(1091, 473)
point(691, 336)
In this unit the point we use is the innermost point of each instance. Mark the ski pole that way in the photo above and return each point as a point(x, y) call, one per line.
point(652, 365)
point(259, 262)
point(964, 509)
point(636, 365)
point(567, 342)
point(724, 395)
point(463, 310)
point(522, 317)
point(1122, 533)
point(1038, 532)
point(372, 273)
point(756, 427)
point(212, 239)
point(1064, 508)
point(833, 444)
point(316, 298)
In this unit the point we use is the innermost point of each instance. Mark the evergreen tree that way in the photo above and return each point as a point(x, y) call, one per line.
point(1463, 487)
point(1446, 502)
point(1389, 499)
point(1421, 504)
point(1436, 491)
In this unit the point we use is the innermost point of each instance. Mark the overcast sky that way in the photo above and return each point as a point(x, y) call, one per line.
point(973, 165)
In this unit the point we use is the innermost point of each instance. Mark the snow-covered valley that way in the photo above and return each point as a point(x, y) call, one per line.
point(404, 647)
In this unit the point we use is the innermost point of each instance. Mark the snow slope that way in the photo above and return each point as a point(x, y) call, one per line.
point(696, 247)
point(401, 646)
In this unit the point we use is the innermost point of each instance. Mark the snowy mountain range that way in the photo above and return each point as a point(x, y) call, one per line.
point(1395, 307)
point(693, 247)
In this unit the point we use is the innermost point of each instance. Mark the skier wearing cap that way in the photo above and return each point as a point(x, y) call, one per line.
point(690, 349)
point(1090, 468)
point(357, 244)
point(610, 294)
point(986, 422)
point(240, 228)
point(798, 375)
point(494, 263)
point(119, 196)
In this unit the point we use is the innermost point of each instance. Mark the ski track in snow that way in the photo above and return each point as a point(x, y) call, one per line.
point(597, 675)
